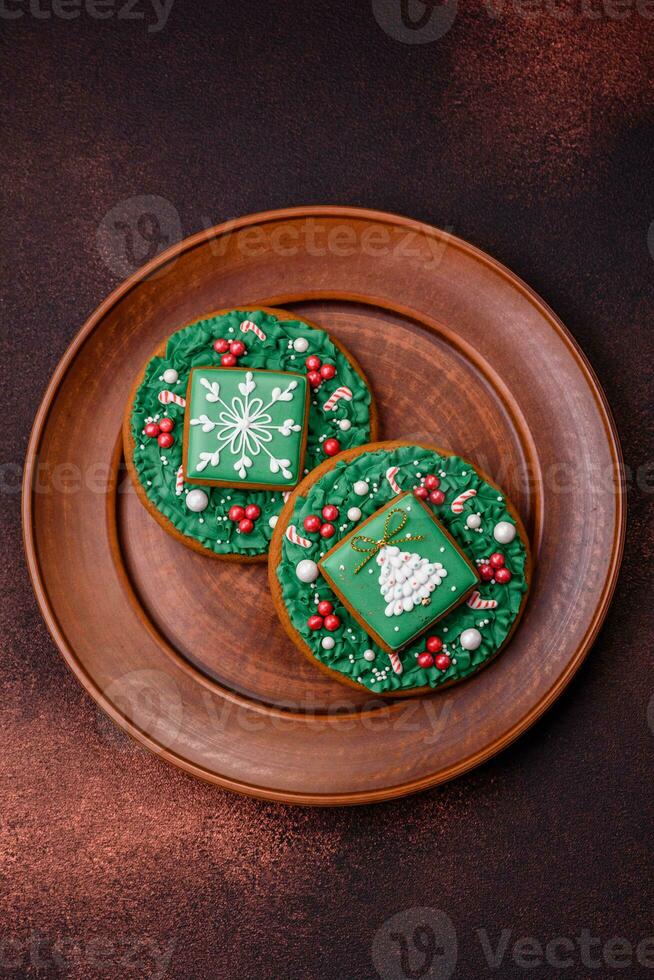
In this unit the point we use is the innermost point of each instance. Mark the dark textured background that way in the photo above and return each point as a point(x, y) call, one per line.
point(532, 138)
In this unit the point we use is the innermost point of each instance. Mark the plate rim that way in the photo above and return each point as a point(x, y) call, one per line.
point(266, 793)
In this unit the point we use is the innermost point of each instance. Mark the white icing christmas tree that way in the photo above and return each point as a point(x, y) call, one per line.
point(406, 579)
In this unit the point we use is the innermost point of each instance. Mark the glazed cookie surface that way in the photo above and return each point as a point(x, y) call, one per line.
point(244, 402)
point(417, 581)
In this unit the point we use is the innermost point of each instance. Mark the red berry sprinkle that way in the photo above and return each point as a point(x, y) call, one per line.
point(331, 447)
point(313, 362)
point(312, 523)
point(221, 346)
point(327, 372)
point(237, 348)
point(236, 513)
point(432, 482)
point(252, 511)
point(497, 560)
point(246, 526)
point(325, 607)
point(425, 659)
point(152, 430)
point(330, 512)
point(442, 661)
point(166, 424)
point(486, 572)
point(434, 644)
point(502, 576)
point(165, 440)
point(437, 497)
point(228, 360)
point(327, 531)
point(421, 492)
point(315, 622)
point(315, 379)
point(332, 622)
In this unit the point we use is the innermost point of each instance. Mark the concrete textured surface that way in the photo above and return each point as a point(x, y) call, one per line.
point(521, 129)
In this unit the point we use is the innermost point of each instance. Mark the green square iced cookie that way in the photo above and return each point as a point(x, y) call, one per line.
point(245, 428)
point(399, 572)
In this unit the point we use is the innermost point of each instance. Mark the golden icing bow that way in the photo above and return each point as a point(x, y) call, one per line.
point(388, 537)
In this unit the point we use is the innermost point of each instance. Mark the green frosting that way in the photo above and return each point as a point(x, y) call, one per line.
point(350, 640)
point(156, 468)
point(246, 427)
point(401, 539)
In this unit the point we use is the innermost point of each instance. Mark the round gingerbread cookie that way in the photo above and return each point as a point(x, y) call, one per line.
point(399, 567)
point(227, 417)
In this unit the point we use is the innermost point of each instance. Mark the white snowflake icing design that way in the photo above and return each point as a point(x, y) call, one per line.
point(245, 426)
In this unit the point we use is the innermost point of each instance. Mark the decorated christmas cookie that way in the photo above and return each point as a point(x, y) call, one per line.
point(227, 418)
point(399, 568)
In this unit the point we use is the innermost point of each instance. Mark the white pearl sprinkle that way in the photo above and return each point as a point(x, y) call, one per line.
point(306, 570)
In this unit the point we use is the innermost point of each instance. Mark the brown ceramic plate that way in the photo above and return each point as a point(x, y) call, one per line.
point(185, 653)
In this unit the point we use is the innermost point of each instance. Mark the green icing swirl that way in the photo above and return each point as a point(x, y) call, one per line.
point(414, 462)
point(193, 347)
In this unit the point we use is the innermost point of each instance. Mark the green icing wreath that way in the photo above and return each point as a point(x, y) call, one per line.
point(350, 640)
point(156, 468)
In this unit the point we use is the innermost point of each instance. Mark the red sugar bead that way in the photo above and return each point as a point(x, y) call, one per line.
point(237, 348)
point(332, 623)
point(313, 362)
point(421, 492)
point(486, 572)
point(312, 523)
point(331, 447)
point(236, 513)
point(252, 511)
point(437, 497)
point(327, 531)
point(496, 560)
point(442, 661)
point(434, 644)
point(165, 440)
point(431, 482)
point(503, 575)
point(425, 659)
point(166, 425)
point(315, 380)
point(221, 346)
point(330, 513)
point(228, 360)
point(315, 622)
point(327, 372)
point(325, 607)
point(152, 430)
point(246, 526)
